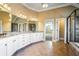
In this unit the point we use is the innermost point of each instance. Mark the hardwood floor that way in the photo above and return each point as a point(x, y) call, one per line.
point(47, 48)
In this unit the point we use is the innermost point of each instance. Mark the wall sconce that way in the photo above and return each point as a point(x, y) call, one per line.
point(10, 17)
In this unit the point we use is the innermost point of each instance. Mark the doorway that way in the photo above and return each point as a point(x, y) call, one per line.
point(55, 29)
point(49, 30)
point(61, 28)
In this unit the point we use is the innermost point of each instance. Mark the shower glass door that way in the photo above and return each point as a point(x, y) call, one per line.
point(73, 27)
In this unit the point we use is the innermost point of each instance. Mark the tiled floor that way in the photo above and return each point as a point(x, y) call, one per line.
point(47, 48)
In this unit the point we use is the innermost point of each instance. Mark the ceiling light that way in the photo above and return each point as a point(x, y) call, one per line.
point(44, 5)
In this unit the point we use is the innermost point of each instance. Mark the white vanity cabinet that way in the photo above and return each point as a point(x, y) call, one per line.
point(3, 46)
point(27, 39)
point(12, 45)
point(9, 45)
point(20, 41)
point(23, 40)
point(32, 38)
point(38, 37)
point(41, 36)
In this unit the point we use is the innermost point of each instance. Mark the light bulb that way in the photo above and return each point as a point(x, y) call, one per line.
point(45, 5)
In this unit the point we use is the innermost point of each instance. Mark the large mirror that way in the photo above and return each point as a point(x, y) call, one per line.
point(22, 25)
point(10, 23)
point(18, 24)
point(32, 26)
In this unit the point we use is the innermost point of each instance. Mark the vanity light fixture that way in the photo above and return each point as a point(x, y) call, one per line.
point(5, 6)
point(22, 16)
point(9, 8)
point(10, 17)
point(25, 17)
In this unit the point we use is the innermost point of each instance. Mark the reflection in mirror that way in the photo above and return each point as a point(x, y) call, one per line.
point(72, 27)
point(18, 24)
point(32, 26)
point(14, 26)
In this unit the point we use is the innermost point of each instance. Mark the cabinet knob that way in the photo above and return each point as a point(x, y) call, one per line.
point(5, 44)
point(23, 40)
point(14, 40)
point(23, 44)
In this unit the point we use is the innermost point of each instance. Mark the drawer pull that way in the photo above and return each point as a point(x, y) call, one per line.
point(23, 40)
point(14, 40)
point(23, 44)
point(5, 44)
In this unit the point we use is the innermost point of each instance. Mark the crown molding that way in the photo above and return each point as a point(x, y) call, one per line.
point(46, 8)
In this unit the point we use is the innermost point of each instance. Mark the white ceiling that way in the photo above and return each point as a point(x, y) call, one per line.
point(38, 7)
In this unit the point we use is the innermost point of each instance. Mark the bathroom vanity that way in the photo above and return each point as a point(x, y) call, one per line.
point(11, 43)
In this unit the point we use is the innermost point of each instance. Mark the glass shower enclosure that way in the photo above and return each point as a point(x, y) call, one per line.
point(73, 26)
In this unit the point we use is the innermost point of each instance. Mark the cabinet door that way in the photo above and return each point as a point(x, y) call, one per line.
point(31, 38)
point(20, 41)
point(27, 39)
point(41, 38)
point(35, 37)
point(23, 42)
point(15, 43)
point(38, 37)
point(3, 46)
point(10, 46)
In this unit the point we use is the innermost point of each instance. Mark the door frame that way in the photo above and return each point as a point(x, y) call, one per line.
point(47, 20)
point(65, 28)
point(1, 25)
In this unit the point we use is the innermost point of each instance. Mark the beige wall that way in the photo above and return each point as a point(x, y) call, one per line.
point(5, 21)
point(62, 12)
point(18, 9)
point(41, 16)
